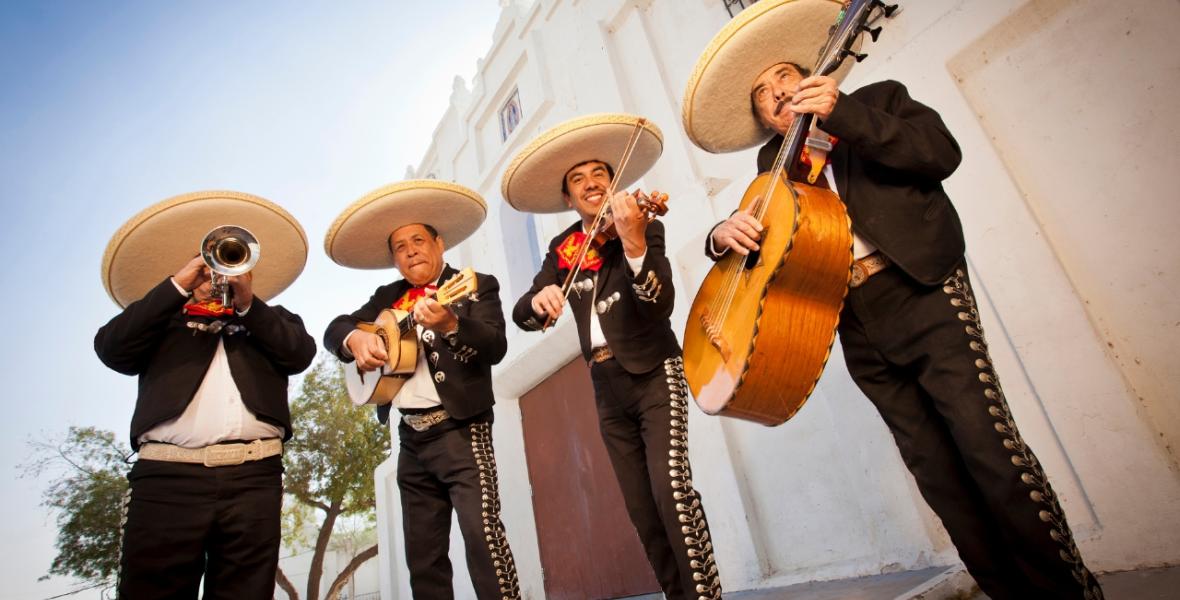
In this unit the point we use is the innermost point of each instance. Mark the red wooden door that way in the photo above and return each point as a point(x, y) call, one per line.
point(589, 549)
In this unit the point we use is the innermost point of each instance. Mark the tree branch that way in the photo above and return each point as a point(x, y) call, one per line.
point(285, 584)
point(349, 569)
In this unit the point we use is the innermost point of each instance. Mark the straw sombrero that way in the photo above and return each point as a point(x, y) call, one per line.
point(716, 111)
point(162, 238)
point(359, 238)
point(532, 182)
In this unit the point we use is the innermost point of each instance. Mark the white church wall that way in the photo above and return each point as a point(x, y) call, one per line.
point(826, 495)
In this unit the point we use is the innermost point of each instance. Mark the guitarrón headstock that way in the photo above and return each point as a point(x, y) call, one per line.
point(459, 286)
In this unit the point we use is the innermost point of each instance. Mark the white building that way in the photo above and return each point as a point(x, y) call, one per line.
point(1064, 110)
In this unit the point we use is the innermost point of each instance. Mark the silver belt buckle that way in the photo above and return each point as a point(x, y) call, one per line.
point(421, 423)
point(225, 455)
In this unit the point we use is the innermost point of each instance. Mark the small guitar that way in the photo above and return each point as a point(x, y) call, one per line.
point(399, 332)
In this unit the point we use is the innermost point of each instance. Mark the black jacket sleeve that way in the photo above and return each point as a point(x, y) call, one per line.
point(482, 328)
point(280, 335)
point(653, 301)
point(522, 313)
point(895, 131)
point(342, 325)
point(126, 342)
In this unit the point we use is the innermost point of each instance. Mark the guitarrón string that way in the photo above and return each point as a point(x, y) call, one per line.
point(830, 58)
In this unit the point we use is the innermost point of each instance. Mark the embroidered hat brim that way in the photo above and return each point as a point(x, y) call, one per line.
point(359, 237)
point(162, 238)
point(716, 112)
point(532, 182)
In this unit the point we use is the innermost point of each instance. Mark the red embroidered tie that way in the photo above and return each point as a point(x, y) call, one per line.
point(410, 298)
point(568, 250)
point(208, 308)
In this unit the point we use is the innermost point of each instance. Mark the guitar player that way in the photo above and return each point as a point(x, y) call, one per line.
point(445, 459)
point(910, 326)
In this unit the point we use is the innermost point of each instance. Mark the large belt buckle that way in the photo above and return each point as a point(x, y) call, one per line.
point(859, 275)
point(421, 423)
point(225, 455)
point(601, 354)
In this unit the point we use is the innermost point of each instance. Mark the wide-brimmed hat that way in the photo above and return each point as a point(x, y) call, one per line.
point(716, 111)
point(359, 238)
point(162, 238)
point(532, 182)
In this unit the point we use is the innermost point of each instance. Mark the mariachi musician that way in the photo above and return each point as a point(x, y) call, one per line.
point(621, 300)
point(910, 326)
point(205, 496)
point(445, 462)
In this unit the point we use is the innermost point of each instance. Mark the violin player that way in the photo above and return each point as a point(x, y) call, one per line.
point(621, 301)
point(446, 462)
point(909, 327)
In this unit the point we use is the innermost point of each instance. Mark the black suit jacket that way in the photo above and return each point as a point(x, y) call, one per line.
point(633, 311)
point(889, 165)
point(462, 372)
point(150, 339)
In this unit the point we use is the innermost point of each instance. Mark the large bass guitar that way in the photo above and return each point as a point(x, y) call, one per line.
point(762, 326)
point(399, 332)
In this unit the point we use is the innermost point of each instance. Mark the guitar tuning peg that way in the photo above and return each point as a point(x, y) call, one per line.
point(857, 56)
point(872, 31)
point(887, 9)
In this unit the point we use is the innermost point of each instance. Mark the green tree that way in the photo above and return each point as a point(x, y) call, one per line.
point(89, 471)
point(330, 465)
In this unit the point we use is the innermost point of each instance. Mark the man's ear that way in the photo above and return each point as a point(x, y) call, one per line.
point(566, 198)
point(441, 244)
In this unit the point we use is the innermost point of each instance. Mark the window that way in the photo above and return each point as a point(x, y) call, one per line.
point(510, 115)
point(735, 6)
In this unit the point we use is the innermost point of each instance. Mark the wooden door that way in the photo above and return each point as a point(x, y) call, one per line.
point(589, 549)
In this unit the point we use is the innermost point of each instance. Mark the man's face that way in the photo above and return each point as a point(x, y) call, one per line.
point(417, 254)
point(771, 93)
point(586, 185)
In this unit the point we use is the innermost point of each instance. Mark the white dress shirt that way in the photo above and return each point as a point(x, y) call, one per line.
point(216, 412)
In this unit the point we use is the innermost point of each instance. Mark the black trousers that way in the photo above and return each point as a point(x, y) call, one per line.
point(451, 466)
point(919, 354)
point(644, 424)
point(183, 521)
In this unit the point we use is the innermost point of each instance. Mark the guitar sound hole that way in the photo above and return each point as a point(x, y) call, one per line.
point(752, 259)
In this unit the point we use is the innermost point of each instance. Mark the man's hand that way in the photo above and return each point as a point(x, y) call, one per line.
point(630, 223)
point(192, 274)
point(817, 95)
point(548, 302)
point(740, 232)
point(367, 349)
point(432, 315)
point(243, 288)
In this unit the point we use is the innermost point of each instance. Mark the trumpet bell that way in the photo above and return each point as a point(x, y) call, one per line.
point(230, 250)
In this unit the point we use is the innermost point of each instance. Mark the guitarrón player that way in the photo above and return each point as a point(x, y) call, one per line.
point(910, 326)
point(445, 458)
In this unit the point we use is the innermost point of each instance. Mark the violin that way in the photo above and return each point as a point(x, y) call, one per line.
point(655, 205)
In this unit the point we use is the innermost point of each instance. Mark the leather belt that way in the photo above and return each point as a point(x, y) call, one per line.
point(867, 267)
point(422, 421)
point(600, 354)
point(217, 455)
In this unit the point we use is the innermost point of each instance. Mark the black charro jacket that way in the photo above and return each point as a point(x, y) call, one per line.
point(463, 372)
point(633, 311)
point(151, 339)
point(893, 154)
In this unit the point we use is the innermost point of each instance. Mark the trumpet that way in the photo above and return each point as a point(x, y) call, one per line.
point(229, 250)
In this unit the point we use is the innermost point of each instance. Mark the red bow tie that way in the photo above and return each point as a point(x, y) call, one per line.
point(568, 250)
point(410, 298)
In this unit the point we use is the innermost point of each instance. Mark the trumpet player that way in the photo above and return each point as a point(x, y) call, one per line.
point(211, 416)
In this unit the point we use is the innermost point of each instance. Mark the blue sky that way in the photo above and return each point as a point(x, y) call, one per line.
point(108, 107)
